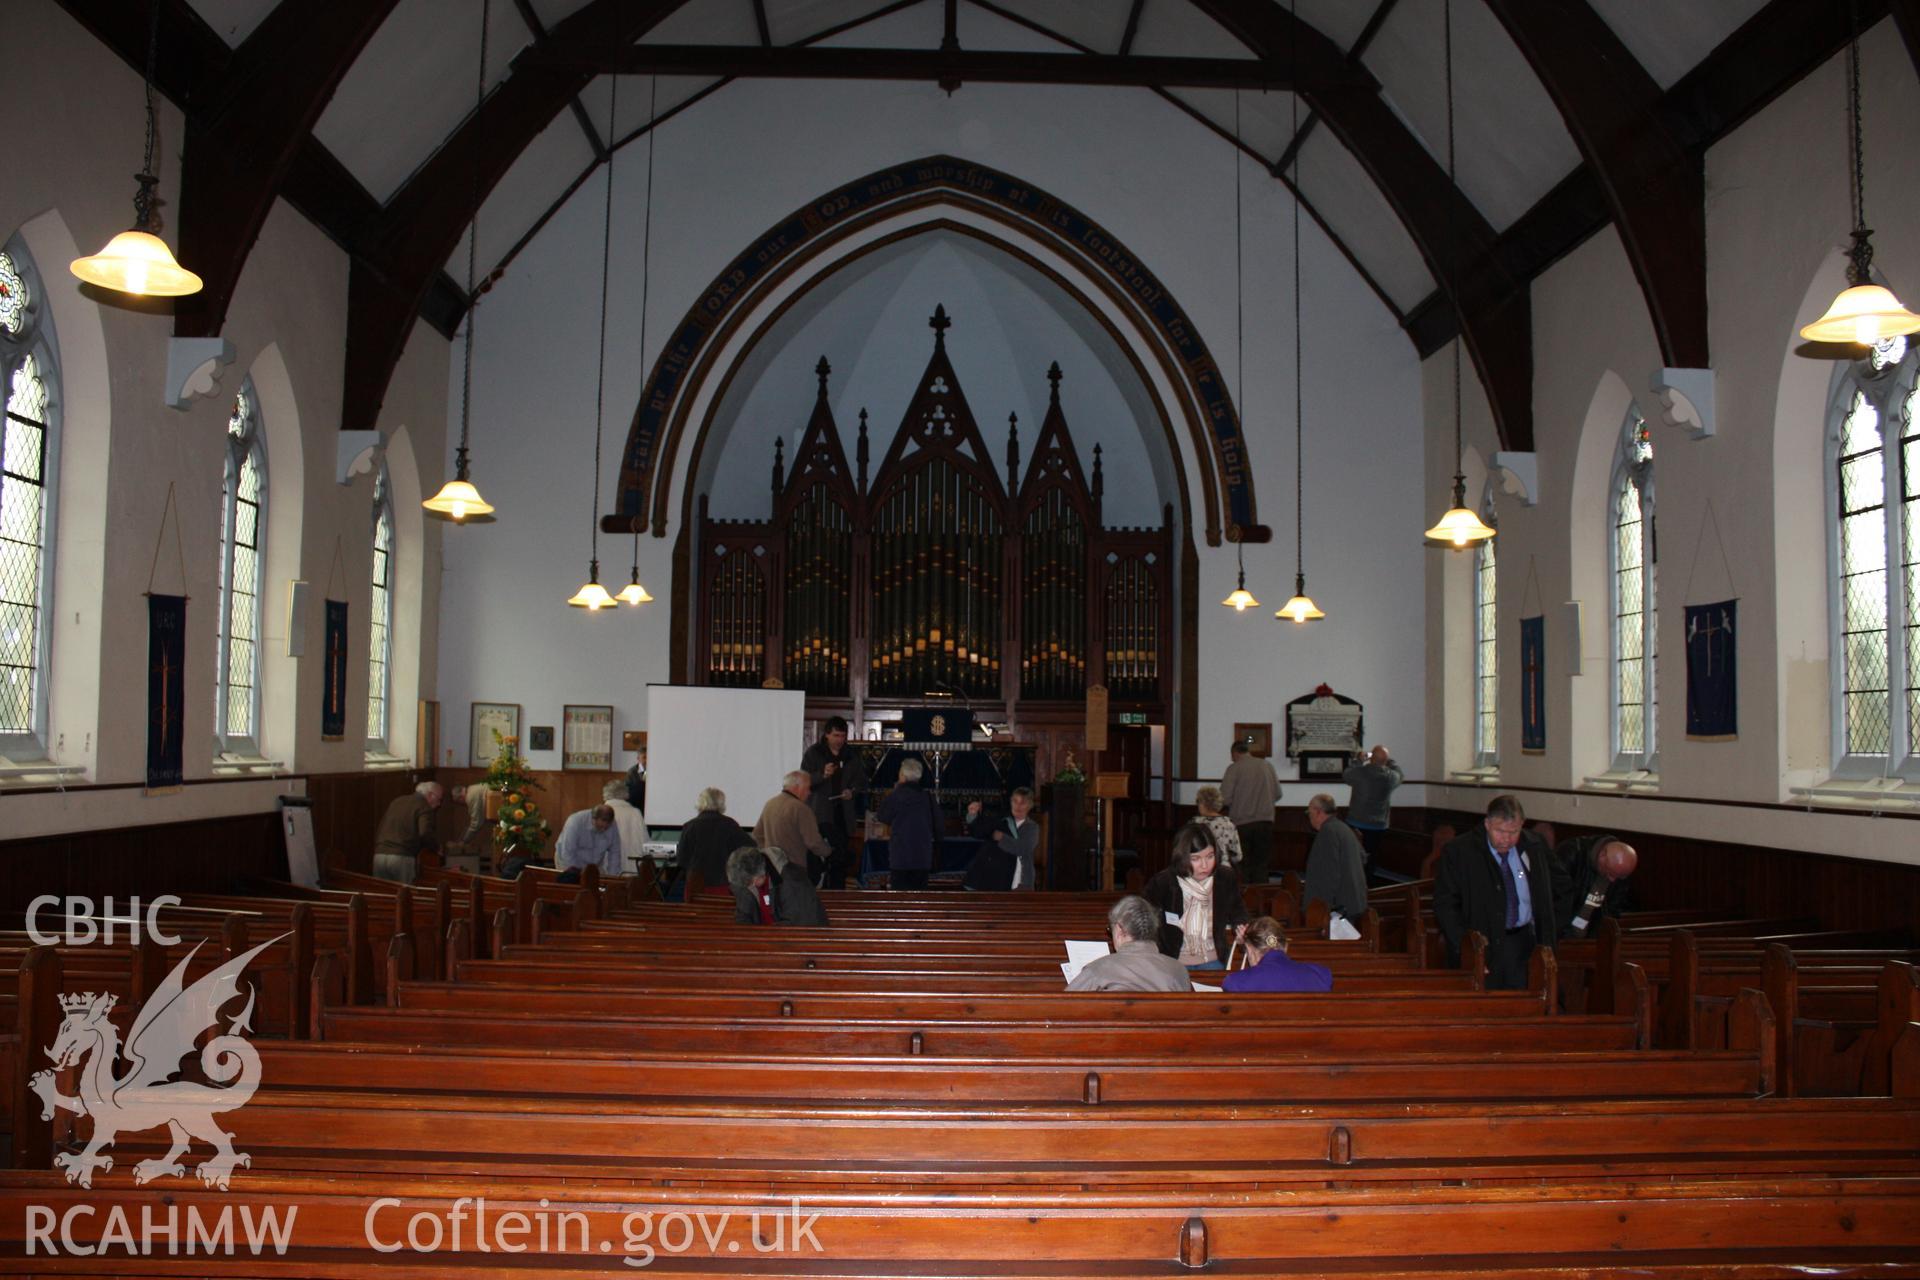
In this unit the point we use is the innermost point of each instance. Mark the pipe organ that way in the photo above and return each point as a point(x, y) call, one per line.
point(942, 576)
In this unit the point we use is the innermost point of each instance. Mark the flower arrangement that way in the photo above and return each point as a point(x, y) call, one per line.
point(1070, 774)
point(521, 826)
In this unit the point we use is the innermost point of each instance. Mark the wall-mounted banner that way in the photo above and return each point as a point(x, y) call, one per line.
point(333, 710)
point(1713, 703)
point(166, 691)
point(1533, 684)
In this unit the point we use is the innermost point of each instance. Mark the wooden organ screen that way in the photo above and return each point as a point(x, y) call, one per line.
point(941, 578)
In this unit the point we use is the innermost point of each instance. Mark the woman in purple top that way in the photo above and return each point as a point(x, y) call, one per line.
point(1269, 969)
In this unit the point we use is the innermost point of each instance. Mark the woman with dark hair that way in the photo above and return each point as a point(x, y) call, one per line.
point(1203, 896)
point(1268, 966)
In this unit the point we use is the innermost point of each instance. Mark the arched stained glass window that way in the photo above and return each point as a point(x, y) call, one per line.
point(1486, 653)
point(29, 456)
point(1873, 444)
point(243, 497)
point(380, 641)
point(1632, 565)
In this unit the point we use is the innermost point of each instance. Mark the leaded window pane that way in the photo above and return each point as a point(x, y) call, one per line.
point(241, 495)
point(1487, 683)
point(14, 298)
point(379, 655)
point(1634, 685)
point(1861, 430)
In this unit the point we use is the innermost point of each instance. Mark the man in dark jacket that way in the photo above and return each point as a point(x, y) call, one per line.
point(1497, 880)
point(837, 775)
point(1582, 893)
point(1336, 865)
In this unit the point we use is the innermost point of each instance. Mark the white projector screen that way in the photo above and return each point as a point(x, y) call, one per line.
point(740, 740)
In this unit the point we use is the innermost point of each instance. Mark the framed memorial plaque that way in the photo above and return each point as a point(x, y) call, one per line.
point(586, 738)
point(1323, 732)
point(485, 721)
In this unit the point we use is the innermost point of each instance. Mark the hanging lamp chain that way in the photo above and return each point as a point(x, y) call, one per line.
point(1453, 252)
point(1860, 257)
point(1299, 369)
point(473, 241)
point(606, 279)
point(646, 264)
point(144, 201)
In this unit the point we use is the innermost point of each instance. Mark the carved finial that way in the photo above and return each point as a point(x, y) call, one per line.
point(1099, 482)
point(1013, 452)
point(822, 370)
point(779, 465)
point(861, 450)
point(939, 324)
point(1053, 376)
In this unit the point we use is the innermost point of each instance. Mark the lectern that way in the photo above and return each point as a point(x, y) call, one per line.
point(1108, 787)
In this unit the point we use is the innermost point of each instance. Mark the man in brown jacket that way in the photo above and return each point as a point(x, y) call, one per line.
point(787, 821)
point(409, 825)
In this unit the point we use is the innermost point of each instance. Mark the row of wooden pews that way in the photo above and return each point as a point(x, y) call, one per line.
point(910, 1093)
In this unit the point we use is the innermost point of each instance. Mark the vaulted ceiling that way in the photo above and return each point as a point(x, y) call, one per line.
point(1569, 114)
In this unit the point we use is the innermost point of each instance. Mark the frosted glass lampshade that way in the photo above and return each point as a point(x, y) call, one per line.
point(1241, 599)
point(139, 263)
point(1459, 528)
point(1301, 608)
point(592, 597)
point(634, 593)
point(458, 501)
point(1863, 314)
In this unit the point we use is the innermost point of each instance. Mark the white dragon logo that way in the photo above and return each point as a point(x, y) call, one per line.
point(147, 1096)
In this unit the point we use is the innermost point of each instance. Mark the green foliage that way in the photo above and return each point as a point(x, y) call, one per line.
point(521, 825)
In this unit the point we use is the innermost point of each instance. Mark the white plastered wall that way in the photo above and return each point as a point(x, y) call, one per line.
point(722, 177)
point(1777, 219)
point(122, 448)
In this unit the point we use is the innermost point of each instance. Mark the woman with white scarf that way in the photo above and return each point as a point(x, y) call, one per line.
point(1200, 901)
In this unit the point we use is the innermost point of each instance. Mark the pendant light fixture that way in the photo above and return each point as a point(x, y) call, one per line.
point(138, 261)
point(1460, 527)
point(458, 500)
point(633, 592)
point(1300, 608)
point(593, 597)
point(1239, 599)
point(1864, 313)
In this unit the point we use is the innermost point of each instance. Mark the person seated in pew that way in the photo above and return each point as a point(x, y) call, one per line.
point(767, 889)
point(589, 837)
point(409, 826)
point(1005, 860)
point(1269, 968)
point(795, 900)
point(1135, 963)
point(1210, 808)
point(1497, 879)
point(1204, 910)
point(706, 841)
point(1336, 865)
point(1590, 880)
point(627, 820)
